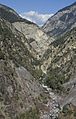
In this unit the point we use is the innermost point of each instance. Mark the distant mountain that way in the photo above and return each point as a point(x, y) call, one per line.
point(63, 21)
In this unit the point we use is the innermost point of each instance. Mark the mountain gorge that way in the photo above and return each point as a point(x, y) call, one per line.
point(38, 66)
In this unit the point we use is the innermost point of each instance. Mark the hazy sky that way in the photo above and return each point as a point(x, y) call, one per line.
point(37, 7)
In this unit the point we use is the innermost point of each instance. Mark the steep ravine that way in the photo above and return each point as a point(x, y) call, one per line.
point(25, 53)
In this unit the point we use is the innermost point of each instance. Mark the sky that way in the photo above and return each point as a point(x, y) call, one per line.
point(37, 11)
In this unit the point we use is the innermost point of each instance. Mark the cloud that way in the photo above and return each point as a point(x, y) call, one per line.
point(36, 17)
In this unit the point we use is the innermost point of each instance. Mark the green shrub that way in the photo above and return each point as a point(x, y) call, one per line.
point(33, 113)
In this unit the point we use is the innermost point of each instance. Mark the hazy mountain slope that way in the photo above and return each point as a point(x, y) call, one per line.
point(63, 21)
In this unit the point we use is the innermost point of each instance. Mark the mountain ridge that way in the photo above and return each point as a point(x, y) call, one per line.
point(5, 12)
point(61, 21)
